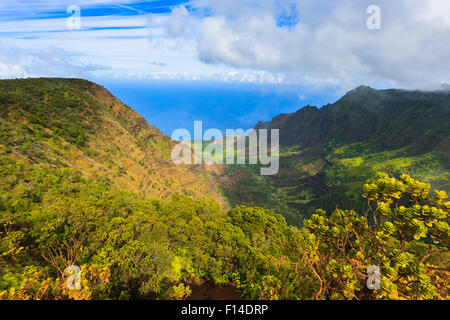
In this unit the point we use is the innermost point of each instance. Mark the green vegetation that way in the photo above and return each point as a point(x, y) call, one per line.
point(77, 124)
point(132, 248)
point(82, 185)
point(401, 212)
point(327, 154)
point(142, 248)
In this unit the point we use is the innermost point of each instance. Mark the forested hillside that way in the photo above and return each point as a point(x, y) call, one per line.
point(328, 153)
point(76, 124)
point(86, 183)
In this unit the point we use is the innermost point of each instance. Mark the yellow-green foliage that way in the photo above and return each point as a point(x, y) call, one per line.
point(78, 124)
point(84, 180)
point(352, 162)
point(127, 246)
point(342, 247)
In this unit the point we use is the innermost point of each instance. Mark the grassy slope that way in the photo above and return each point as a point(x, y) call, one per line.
point(78, 165)
point(74, 164)
point(78, 124)
point(327, 153)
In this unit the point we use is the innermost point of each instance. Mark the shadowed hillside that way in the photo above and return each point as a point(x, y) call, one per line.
point(328, 153)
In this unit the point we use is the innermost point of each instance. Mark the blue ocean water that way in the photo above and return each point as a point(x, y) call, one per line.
point(170, 105)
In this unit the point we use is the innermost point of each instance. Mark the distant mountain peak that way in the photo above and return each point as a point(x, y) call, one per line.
point(365, 113)
point(361, 90)
point(363, 87)
point(445, 87)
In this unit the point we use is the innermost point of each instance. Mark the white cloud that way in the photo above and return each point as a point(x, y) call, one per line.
point(51, 62)
point(231, 76)
point(312, 42)
point(330, 42)
point(178, 23)
point(11, 71)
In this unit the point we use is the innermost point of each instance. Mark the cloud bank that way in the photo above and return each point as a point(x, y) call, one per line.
point(321, 41)
point(316, 43)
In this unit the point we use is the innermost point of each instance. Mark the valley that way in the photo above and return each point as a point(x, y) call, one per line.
point(327, 154)
point(85, 181)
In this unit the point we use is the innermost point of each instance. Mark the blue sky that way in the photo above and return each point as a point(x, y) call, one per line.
point(253, 58)
point(177, 104)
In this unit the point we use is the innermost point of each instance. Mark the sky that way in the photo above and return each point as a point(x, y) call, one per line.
point(170, 104)
point(252, 58)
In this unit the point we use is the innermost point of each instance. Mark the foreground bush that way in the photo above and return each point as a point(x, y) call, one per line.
point(127, 247)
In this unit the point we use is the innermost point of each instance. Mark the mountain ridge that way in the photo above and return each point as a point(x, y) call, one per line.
point(87, 186)
point(328, 153)
point(333, 119)
point(77, 123)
